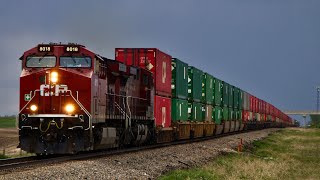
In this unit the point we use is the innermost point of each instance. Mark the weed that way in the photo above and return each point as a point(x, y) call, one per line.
point(288, 154)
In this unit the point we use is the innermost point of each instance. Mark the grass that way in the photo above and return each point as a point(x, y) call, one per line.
point(7, 122)
point(287, 154)
point(3, 157)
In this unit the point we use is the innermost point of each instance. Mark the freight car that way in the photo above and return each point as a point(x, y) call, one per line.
point(72, 100)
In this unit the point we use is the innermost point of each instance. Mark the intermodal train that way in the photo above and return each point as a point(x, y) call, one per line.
point(73, 100)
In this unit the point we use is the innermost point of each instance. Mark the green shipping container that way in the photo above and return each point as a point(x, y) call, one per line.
point(194, 84)
point(225, 94)
point(217, 114)
point(207, 88)
point(225, 114)
point(230, 98)
point(179, 81)
point(217, 92)
point(236, 92)
point(195, 111)
point(238, 114)
point(179, 110)
point(231, 114)
point(241, 99)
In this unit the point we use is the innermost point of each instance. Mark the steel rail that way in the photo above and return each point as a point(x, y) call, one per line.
point(31, 161)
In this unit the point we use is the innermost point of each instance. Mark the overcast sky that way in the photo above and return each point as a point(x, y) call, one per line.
point(270, 48)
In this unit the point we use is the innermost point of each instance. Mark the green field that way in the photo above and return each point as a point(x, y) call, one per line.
point(288, 154)
point(7, 122)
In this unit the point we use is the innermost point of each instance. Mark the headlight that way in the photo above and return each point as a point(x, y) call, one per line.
point(54, 77)
point(69, 108)
point(33, 107)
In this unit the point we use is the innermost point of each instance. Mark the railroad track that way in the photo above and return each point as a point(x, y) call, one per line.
point(7, 165)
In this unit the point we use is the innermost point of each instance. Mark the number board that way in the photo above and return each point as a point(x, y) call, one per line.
point(71, 49)
point(45, 48)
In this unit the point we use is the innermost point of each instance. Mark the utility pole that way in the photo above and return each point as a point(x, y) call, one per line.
point(318, 97)
point(305, 120)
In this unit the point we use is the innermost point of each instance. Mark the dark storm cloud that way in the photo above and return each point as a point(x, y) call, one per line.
point(269, 48)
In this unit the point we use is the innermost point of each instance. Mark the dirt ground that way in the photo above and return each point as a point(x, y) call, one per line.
point(148, 164)
point(9, 140)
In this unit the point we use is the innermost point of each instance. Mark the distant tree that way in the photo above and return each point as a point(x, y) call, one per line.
point(7, 116)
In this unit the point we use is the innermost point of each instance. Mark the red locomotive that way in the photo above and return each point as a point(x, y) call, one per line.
point(72, 100)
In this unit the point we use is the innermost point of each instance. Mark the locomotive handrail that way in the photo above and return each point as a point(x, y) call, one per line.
point(84, 109)
point(124, 113)
point(53, 115)
point(88, 114)
point(127, 115)
point(121, 110)
point(126, 96)
point(129, 112)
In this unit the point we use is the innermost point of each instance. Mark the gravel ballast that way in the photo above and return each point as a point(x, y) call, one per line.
point(147, 164)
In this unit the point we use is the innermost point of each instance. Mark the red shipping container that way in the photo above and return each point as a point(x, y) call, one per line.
point(152, 59)
point(260, 106)
point(271, 110)
point(245, 115)
point(127, 56)
point(252, 106)
point(162, 111)
point(277, 113)
point(256, 104)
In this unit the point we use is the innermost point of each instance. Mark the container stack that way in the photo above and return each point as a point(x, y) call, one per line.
point(217, 103)
point(159, 64)
point(195, 107)
point(192, 103)
point(179, 89)
point(225, 107)
point(236, 96)
point(207, 102)
point(179, 101)
point(231, 109)
point(240, 110)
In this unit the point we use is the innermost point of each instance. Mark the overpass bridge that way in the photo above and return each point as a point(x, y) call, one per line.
point(304, 114)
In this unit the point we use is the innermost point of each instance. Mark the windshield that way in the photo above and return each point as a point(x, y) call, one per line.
point(45, 61)
point(75, 62)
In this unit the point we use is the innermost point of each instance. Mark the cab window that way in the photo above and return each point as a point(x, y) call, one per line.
point(41, 62)
point(75, 62)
